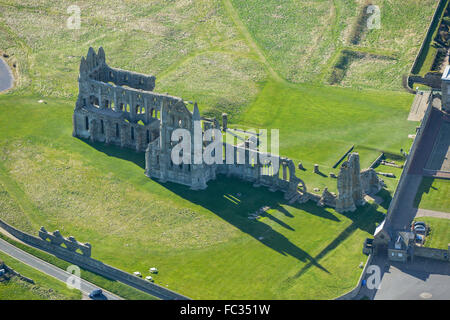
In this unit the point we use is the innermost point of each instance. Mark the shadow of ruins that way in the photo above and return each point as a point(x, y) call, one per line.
point(137, 158)
point(386, 196)
point(235, 200)
point(365, 218)
point(226, 197)
point(222, 199)
point(424, 187)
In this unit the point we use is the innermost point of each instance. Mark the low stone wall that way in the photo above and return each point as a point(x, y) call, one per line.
point(17, 274)
point(91, 264)
point(428, 34)
point(377, 161)
point(431, 79)
point(343, 157)
point(432, 253)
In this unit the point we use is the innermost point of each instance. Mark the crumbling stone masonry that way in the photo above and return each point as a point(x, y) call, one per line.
point(71, 243)
point(119, 107)
point(353, 184)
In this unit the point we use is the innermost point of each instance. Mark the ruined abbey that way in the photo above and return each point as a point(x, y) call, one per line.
point(120, 107)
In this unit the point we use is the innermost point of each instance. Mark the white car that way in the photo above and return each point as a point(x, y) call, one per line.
point(153, 270)
point(149, 278)
point(137, 274)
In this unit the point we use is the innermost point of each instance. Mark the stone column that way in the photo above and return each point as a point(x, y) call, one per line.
point(116, 106)
point(224, 121)
point(74, 124)
point(147, 111)
point(92, 130)
point(100, 97)
point(132, 107)
point(123, 137)
point(284, 171)
point(138, 138)
point(107, 127)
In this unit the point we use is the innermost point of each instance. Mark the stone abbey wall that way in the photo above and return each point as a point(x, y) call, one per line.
point(116, 106)
point(119, 107)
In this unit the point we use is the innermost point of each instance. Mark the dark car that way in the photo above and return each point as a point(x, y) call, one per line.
point(420, 223)
point(96, 293)
point(420, 229)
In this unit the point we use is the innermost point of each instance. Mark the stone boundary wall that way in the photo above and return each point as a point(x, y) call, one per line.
point(92, 264)
point(343, 157)
point(354, 292)
point(431, 79)
point(427, 34)
point(377, 161)
point(411, 155)
point(17, 274)
point(432, 253)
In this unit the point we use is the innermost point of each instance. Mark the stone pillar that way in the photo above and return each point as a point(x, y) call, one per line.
point(123, 137)
point(92, 129)
point(224, 121)
point(147, 111)
point(74, 124)
point(357, 191)
point(132, 107)
point(100, 97)
point(107, 125)
point(116, 105)
point(138, 138)
point(316, 168)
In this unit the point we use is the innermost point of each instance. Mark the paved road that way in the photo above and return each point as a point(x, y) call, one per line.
point(417, 280)
point(404, 212)
point(51, 270)
point(6, 78)
point(421, 279)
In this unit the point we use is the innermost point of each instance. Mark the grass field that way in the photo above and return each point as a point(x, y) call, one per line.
point(266, 65)
point(45, 287)
point(439, 236)
point(433, 195)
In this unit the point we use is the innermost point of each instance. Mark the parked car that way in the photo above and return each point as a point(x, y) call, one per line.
point(137, 274)
point(153, 270)
point(420, 229)
point(95, 293)
point(420, 223)
point(149, 278)
point(419, 238)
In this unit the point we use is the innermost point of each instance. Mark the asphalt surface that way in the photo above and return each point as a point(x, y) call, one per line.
point(423, 279)
point(51, 270)
point(6, 79)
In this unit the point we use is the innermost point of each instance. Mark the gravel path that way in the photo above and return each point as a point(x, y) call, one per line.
point(431, 213)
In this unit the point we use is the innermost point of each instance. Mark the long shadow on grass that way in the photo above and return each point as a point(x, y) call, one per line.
point(424, 187)
point(234, 200)
point(365, 218)
point(137, 158)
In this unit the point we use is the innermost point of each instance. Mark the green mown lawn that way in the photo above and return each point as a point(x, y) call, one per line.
point(439, 237)
point(433, 194)
point(202, 242)
point(246, 58)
